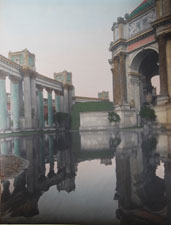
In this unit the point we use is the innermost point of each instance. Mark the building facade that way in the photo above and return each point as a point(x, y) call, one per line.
point(141, 50)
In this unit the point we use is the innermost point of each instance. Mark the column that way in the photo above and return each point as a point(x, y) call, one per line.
point(16, 147)
point(57, 101)
point(3, 102)
point(15, 106)
point(70, 98)
point(163, 66)
point(21, 100)
point(113, 84)
point(27, 99)
point(123, 85)
point(62, 101)
point(116, 81)
point(41, 107)
point(4, 148)
point(51, 155)
point(66, 108)
point(168, 61)
point(34, 100)
point(50, 107)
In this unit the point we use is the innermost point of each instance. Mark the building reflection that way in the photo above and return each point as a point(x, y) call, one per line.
point(143, 197)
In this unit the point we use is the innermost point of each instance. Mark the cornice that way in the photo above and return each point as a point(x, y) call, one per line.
point(9, 62)
point(161, 21)
point(133, 39)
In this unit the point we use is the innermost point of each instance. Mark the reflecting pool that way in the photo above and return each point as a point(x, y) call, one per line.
point(103, 177)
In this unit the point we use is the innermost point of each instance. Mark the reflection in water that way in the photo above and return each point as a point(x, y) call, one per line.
point(83, 166)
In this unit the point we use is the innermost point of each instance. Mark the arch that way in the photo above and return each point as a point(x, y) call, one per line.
point(145, 63)
point(140, 56)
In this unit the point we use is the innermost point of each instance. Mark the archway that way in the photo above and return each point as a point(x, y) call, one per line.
point(146, 64)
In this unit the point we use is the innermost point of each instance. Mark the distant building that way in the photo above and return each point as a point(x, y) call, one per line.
point(65, 77)
point(103, 95)
point(23, 58)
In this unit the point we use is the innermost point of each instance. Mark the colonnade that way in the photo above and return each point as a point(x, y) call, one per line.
point(27, 102)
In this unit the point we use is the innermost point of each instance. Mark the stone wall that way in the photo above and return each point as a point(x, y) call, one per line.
point(94, 120)
point(99, 120)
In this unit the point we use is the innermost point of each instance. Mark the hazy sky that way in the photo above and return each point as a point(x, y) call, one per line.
point(65, 34)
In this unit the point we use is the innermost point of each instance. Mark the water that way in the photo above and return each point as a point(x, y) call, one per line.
point(89, 177)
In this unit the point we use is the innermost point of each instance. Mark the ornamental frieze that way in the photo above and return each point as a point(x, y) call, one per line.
point(142, 23)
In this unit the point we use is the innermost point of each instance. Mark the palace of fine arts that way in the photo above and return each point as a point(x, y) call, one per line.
point(85, 112)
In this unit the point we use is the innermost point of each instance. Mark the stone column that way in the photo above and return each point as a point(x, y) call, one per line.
point(4, 148)
point(51, 153)
point(113, 83)
point(34, 100)
point(16, 147)
point(122, 74)
point(62, 101)
point(50, 107)
point(163, 67)
point(168, 60)
point(70, 98)
point(15, 106)
point(41, 107)
point(116, 81)
point(27, 99)
point(57, 101)
point(21, 100)
point(66, 102)
point(3, 102)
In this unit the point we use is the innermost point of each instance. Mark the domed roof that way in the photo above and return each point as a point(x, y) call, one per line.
point(145, 4)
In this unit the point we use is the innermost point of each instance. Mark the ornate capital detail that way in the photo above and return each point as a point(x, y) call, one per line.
point(122, 55)
point(68, 87)
point(27, 72)
point(40, 88)
point(57, 92)
point(49, 90)
point(14, 79)
point(3, 74)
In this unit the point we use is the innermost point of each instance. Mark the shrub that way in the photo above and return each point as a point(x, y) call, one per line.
point(62, 120)
point(147, 113)
point(113, 117)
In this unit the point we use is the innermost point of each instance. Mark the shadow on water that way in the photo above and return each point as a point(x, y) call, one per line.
point(91, 168)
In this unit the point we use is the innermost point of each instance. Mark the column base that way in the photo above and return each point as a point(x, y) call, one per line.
point(161, 100)
point(129, 117)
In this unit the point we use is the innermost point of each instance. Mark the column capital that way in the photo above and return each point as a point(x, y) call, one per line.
point(116, 59)
point(57, 92)
point(49, 90)
point(26, 72)
point(3, 74)
point(39, 87)
point(122, 55)
point(14, 79)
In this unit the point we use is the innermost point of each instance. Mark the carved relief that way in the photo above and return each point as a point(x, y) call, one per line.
point(142, 23)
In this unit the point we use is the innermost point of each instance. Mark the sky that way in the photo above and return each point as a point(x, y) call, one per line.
point(72, 35)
